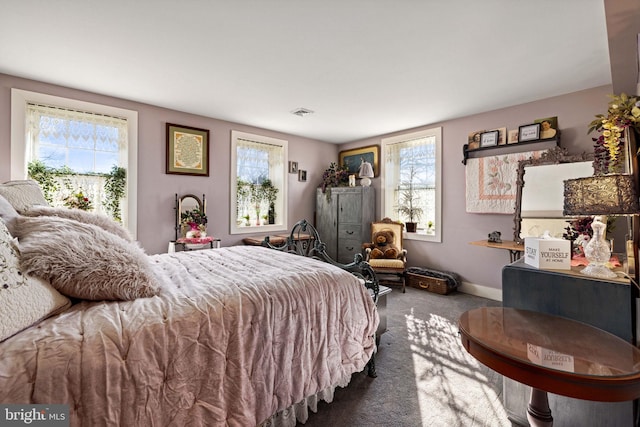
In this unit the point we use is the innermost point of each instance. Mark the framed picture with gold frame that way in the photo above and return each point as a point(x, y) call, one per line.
point(187, 150)
point(352, 159)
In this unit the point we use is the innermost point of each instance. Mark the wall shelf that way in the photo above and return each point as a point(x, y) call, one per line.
point(496, 150)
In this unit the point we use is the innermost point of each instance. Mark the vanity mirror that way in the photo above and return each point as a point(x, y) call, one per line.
point(540, 191)
point(185, 204)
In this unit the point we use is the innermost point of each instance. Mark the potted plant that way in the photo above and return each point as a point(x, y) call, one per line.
point(407, 203)
point(270, 194)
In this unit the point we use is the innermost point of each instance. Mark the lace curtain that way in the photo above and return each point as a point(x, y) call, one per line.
point(87, 143)
point(401, 159)
point(257, 161)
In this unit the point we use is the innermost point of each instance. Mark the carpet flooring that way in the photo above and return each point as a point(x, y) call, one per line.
point(425, 376)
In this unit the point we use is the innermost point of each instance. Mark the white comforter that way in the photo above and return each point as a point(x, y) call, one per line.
point(236, 335)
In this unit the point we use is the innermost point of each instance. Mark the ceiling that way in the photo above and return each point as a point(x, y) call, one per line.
point(363, 67)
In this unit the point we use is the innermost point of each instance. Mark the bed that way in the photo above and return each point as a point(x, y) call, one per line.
point(236, 336)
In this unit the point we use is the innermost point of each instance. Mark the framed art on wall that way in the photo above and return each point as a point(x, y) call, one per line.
point(187, 150)
point(352, 159)
point(293, 167)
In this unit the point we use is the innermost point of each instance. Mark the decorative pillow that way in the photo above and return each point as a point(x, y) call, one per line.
point(7, 213)
point(24, 300)
point(83, 260)
point(79, 215)
point(23, 194)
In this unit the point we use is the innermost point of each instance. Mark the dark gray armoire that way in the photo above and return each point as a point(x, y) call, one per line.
point(608, 305)
point(343, 220)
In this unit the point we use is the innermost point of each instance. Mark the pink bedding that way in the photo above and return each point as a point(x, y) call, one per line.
point(236, 335)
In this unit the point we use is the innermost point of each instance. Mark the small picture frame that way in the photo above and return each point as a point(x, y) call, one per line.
point(474, 139)
point(293, 167)
point(548, 127)
point(513, 136)
point(529, 132)
point(302, 175)
point(489, 139)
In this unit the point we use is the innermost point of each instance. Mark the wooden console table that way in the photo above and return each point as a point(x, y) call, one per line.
point(552, 354)
point(515, 250)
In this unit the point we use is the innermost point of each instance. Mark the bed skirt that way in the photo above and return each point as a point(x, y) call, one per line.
point(300, 411)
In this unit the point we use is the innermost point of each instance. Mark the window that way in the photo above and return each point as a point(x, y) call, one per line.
point(93, 146)
point(258, 183)
point(412, 172)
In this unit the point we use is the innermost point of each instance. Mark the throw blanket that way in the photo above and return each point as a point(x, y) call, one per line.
point(236, 335)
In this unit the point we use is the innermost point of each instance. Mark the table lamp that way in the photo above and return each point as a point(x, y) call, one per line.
point(365, 173)
point(613, 194)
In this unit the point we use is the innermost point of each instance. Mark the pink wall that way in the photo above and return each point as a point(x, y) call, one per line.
point(480, 266)
point(477, 265)
point(156, 190)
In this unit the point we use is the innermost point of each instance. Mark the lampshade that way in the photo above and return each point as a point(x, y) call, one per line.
point(366, 172)
point(601, 195)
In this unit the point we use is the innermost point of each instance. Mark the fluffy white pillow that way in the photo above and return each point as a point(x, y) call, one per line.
point(23, 194)
point(83, 260)
point(24, 300)
point(100, 220)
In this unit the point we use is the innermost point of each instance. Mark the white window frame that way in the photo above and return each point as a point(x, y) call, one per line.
point(19, 100)
point(433, 132)
point(234, 228)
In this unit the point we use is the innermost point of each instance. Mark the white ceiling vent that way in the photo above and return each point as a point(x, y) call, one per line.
point(301, 112)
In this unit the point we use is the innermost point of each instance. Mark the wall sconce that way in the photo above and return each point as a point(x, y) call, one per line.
point(600, 195)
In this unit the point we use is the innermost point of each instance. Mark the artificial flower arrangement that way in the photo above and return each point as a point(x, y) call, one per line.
point(335, 176)
point(78, 201)
point(196, 220)
point(623, 112)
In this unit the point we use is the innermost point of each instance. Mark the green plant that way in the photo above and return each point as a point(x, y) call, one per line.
point(408, 198)
point(114, 188)
point(45, 177)
point(50, 179)
point(271, 194)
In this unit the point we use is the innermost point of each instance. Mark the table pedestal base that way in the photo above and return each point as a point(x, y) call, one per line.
point(538, 412)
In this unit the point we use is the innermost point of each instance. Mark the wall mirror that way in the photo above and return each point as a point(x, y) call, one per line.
point(184, 204)
point(540, 192)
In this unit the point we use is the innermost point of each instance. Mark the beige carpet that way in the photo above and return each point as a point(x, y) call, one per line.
point(425, 376)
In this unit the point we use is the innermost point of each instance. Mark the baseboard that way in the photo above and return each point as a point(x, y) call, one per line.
point(480, 291)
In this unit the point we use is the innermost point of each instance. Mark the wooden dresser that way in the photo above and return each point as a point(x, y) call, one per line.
point(343, 220)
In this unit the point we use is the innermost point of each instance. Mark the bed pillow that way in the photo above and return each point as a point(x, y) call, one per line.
point(7, 213)
point(24, 300)
point(23, 194)
point(83, 260)
point(98, 219)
